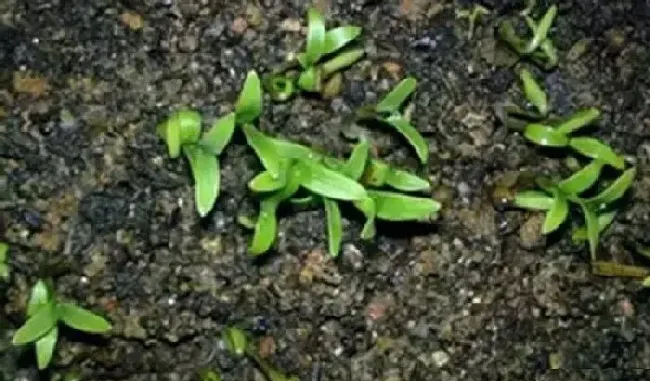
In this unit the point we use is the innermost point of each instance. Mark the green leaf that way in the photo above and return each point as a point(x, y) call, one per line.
point(337, 38)
point(45, 348)
point(393, 101)
point(310, 79)
point(533, 200)
point(534, 92)
point(36, 326)
point(341, 61)
point(541, 32)
point(290, 150)
point(264, 148)
point(235, 340)
point(405, 181)
point(556, 216)
point(592, 227)
point(376, 173)
point(549, 50)
point(315, 36)
point(507, 33)
point(546, 136)
point(280, 87)
point(356, 164)
point(182, 127)
point(581, 180)
point(328, 183)
point(367, 207)
point(3, 251)
point(265, 182)
point(209, 375)
point(646, 282)
point(249, 104)
point(596, 149)
point(334, 226)
point(40, 296)
point(265, 228)
point(205, 170)
point(604, 220)
point(615, 190)
point(4, 270)
point(412, 136)
point(218, 137)
point(81, 319)
point(392, 206)
point(578, 120)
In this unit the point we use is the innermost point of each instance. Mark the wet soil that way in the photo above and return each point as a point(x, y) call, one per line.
point(89, 196)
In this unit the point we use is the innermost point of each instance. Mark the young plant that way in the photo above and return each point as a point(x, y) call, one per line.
point(238, 344)
point(389, 112)
point(473, 16)
point(182, 133)
point(329, 181)
point(538, 47)
point(45, 311)
point(315, 69)
point(4, 268)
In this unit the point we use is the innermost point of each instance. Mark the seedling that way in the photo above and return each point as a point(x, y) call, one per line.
point(182, 133)
point(389, 112)
point(538, 47)
point(291, 168)
point(315, 68)
point(45, 311)
point(557, 196)
point(238, 344)
point(4, 268)
point(473, 16)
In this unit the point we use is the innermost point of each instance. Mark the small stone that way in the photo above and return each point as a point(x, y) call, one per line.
point(290, 25)
point(253, 15)
point(530, 233)
point(239, 26)
point(30, 84)
point(133, 20)
point(393, 68)
point(440, 358)
point(188, 44)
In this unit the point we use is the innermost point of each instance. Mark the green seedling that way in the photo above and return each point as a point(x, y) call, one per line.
point(4, 268)
point(329, 181)
point(389, 112)
point(45, 311)
point(538, 47)
point(182, 134)
point(324, 56)
point(239, 345)
point(473, 16)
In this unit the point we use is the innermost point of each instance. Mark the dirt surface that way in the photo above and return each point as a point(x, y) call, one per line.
point(89, 196)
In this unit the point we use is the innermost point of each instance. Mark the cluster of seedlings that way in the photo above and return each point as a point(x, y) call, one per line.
point(295, 174)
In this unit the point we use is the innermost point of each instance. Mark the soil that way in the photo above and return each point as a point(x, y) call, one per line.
point(90, 197)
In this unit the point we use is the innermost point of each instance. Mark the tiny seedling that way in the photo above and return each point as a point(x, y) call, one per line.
point(538, 47)
point(45, 311)
point(473, 16)
point(4, 268)
point(389, 112)
point(182, 133)
point(239, 345)
point(315, 69)
point(290, 168)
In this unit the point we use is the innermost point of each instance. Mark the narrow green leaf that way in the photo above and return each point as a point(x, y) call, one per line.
point(392, 206)
point(578, 120)
point(182, 127)
point(341, 61)
point(36, 326)
point(235, 340)
point(328, 183)
point(264, 148)
point(218, 137)
point(534, 92)
point(206, 173)
point(334, 226)
point(615, 190)
point(81, 319)
point(310, 79)
point(604, 220)
point(541, 32)
point(315, 36)
point(265, 228)
point(393, 101)
point(556, 216)
point(592, 227)
point(209, 375)
point(40, 296)
point(337, 38)
point(507, 33)
point(45, 348)
point(367, 207)
point(405, 181)
point(289, 150)
point(3, 251)
point(550, 52)
point(265, 182)
point(4, 271)
point(533, 200)
point(596, 149)
point(249, 104)
point(356, 164)
point(546, 136)
point(376, 173)
point(581, 180)
point(412, 136)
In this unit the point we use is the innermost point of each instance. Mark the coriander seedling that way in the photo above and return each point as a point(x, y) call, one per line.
point(473, 16)
point(45, 311)
point(324, 56)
